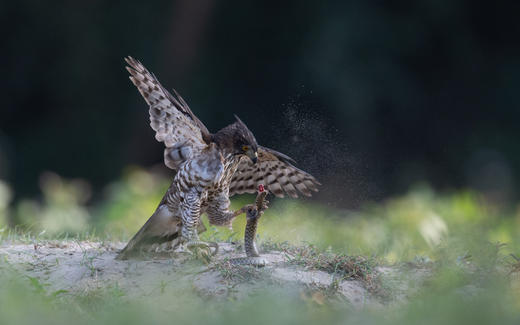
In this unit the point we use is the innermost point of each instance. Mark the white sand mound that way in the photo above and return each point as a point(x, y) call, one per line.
point(83, 266)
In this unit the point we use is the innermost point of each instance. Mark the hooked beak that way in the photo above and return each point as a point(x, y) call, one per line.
point(252, 155)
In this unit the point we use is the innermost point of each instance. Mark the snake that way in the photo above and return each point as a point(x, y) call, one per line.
point(253, 214)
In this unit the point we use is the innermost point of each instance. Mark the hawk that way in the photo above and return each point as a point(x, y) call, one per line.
point(209, 168)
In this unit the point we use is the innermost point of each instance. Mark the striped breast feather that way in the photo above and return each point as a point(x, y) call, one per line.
point(170, 116)
point(275, 171)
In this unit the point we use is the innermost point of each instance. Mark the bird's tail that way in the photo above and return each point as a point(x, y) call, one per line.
point(144, 238)
point(140, 240)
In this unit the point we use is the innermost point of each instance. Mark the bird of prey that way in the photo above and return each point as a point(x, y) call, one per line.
point(209, 168)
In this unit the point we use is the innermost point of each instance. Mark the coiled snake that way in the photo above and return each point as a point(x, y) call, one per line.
point(253, 213)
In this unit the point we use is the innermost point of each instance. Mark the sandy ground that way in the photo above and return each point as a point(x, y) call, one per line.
point(83, 266)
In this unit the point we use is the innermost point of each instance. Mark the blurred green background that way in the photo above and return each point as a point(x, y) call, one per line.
point(389, 93)
point(406, 111)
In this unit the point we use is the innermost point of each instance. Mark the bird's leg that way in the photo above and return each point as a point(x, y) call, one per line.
point(223, 217)
point(190, 207)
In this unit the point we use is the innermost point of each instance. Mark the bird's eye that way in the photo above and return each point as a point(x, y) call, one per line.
point(245, 148)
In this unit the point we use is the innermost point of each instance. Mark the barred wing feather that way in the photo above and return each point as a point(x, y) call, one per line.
point(275, 171)
point(170, 117)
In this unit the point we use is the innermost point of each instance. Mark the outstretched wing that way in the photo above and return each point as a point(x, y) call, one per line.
point(171, 118)
point(275, 171)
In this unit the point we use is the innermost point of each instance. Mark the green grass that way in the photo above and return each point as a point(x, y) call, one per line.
point(310, 257)
point(26, 301)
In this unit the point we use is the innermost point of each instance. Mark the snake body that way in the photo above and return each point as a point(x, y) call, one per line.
point(252, 215)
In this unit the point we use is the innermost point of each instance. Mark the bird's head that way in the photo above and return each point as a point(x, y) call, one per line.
point(237, 139)
point(244, 142)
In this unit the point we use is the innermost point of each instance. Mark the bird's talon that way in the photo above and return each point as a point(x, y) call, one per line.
point(202, 250)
